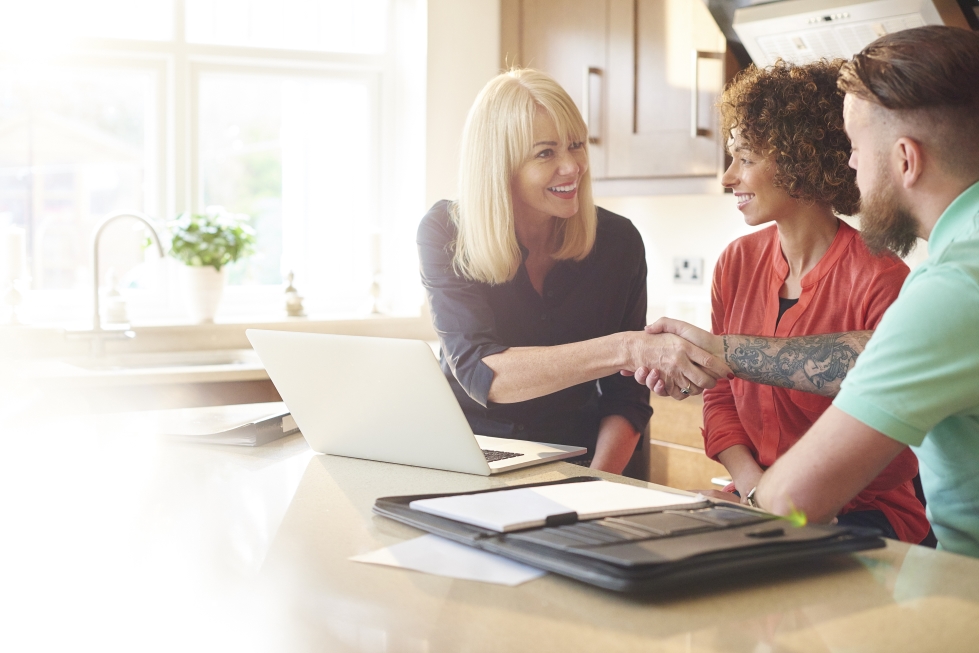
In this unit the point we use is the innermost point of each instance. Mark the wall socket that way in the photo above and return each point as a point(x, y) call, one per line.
point(688, 270)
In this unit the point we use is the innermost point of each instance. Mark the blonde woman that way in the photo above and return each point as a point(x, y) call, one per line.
point(537, 296)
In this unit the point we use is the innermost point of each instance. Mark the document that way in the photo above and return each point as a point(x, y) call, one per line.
point(249, 425)
point(512, 510)
point(436, 555)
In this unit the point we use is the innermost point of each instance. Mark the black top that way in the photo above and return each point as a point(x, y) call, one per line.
point(784, 305)
point(603, 294)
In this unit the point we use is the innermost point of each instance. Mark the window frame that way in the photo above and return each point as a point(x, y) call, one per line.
point(397, 86)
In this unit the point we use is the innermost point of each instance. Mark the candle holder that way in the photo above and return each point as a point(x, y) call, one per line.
point(376, 295)
point(377, 266)
point(14, 255)
point(294, 302)
point(13, 299)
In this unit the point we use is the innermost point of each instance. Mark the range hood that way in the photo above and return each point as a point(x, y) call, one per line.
point(806, 30)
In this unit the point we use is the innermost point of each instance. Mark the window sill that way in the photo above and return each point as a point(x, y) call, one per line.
point(47, 342)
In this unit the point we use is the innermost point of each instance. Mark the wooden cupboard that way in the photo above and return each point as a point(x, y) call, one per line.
point(645, 74)
point(676, 446)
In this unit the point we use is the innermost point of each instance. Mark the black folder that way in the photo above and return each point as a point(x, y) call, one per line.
point(650, 552)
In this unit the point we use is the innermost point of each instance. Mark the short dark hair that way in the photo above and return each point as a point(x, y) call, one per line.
point(930, 74)
point(794, 113)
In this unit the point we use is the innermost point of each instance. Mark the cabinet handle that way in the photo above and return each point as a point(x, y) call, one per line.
point(695, 129)
point(586, 101)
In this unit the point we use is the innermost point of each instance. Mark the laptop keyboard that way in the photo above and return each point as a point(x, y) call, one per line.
point(492, 456)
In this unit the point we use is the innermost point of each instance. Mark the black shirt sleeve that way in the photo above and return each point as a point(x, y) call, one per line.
point(622, 395)
point(461, 314)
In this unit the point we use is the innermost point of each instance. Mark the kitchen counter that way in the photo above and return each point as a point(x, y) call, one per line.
point(166, 368)
point(120, 540)
point(30, 343)
point(134, 381)
point(163, 366)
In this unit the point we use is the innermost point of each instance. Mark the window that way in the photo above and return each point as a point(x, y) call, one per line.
point(319, 25)
point(75, 144)
point(303, 115)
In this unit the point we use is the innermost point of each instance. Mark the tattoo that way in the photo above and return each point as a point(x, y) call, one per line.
point(816, 364)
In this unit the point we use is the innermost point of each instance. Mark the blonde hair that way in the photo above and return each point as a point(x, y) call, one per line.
point(497, 140)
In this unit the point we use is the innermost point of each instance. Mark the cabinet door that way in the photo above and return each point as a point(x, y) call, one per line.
point(567, 40)
point(666, 69)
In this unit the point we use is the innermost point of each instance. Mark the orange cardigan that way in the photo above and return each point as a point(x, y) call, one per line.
point(848, 290)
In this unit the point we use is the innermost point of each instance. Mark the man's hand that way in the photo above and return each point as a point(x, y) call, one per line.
point(682, 368)
point(814, 363)
point(652, 376)
point(706, 340)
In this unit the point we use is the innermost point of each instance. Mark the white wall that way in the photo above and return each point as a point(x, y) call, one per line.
point(688, 226)
point(680, 226)
point(463, 54)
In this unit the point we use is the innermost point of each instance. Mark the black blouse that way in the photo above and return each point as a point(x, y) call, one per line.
point(603, 294)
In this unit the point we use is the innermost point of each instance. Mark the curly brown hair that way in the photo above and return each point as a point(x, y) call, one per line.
point(794, 113)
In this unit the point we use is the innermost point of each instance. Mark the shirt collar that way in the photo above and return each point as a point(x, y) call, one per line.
point(841, 241)
point(957, 219)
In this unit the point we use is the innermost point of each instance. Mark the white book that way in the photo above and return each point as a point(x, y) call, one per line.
point(248, 425)
point(520, 508)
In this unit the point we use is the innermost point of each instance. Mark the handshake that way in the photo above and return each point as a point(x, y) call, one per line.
point(676, 359)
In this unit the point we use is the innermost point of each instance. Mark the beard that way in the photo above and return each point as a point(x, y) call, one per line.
point(885, 223)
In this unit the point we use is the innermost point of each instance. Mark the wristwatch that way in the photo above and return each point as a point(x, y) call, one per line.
point(750, 498)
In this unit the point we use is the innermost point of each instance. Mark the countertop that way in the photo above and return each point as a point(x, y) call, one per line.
point(117, 539)
point(168, 354)
point(154, 368)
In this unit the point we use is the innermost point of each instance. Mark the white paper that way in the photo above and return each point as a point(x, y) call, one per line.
point(436, 555)
point(509, 510)
point(216, 419)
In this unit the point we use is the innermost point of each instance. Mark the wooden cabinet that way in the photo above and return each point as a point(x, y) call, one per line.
point(567, 39)
point(645, 73)
point(676, 446)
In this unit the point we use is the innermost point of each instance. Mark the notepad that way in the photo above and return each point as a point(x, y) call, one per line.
point(550, 505)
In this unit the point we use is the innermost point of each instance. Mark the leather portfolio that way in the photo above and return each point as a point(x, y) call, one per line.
point(649, 552)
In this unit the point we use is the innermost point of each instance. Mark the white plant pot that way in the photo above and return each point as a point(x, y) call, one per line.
point(203, 287)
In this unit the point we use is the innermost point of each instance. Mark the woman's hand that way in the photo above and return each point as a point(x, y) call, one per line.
point(740, 463)
point(719, 495)
point(683, 368)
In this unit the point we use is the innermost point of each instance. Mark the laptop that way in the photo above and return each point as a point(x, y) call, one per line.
point(385, 399)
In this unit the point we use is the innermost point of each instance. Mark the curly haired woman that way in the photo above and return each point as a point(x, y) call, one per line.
point(809, 273)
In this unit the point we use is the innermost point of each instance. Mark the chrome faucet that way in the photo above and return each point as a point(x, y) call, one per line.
point(98, 334)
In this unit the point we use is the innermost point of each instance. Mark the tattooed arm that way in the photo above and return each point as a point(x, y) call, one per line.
point(816, 364)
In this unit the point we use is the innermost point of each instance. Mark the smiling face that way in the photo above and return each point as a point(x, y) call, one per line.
point(546, 184)
point(751, 177)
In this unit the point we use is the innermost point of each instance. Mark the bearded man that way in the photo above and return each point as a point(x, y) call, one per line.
point(912, 114)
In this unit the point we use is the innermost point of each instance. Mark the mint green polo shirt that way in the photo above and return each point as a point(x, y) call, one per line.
point(918, 379)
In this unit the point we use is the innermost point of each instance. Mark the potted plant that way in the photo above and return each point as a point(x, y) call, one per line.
point(206, 243)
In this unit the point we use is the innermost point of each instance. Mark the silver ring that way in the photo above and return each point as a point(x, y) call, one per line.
point(685, 391)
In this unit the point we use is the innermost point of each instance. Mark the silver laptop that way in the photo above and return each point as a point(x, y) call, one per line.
point(384, 399)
